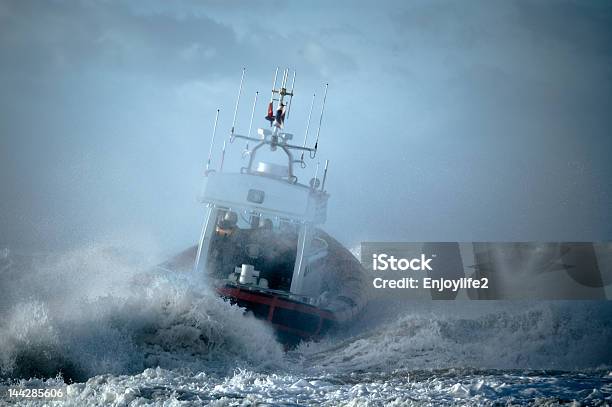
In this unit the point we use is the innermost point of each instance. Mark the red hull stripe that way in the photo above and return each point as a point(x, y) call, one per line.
point(274, 302)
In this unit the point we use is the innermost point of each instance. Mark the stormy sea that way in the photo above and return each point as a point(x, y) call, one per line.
point(107, 328)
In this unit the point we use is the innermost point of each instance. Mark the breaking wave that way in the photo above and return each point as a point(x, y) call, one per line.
point(99, 311)
point(92, 311)
point(559, 335)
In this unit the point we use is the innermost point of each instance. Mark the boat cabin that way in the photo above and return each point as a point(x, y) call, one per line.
point(260, 224)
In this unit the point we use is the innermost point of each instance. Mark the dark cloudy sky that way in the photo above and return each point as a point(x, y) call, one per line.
point(480, 120)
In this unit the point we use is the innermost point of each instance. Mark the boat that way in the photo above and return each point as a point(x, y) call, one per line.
point(262, 244)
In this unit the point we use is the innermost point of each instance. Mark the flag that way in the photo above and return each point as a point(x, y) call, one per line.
point(280, 116)
point(270, 116)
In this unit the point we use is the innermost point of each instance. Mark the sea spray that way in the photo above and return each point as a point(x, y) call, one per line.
point(90, 312)
point(560, 335)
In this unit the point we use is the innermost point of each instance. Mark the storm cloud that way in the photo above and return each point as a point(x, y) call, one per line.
point(445, 121)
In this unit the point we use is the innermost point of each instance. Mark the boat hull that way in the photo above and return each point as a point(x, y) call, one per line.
point(293, 320)
point(337, 299)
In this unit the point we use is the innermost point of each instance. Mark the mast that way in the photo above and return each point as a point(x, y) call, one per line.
point(277, 138)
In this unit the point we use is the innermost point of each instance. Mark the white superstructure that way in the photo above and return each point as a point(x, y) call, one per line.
point(265, 202)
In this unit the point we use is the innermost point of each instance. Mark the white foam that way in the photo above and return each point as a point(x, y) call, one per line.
point(125, 320)
point(566, 335)
point(160, 338)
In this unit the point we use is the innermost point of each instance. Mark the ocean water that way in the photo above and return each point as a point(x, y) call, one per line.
point(120, 334)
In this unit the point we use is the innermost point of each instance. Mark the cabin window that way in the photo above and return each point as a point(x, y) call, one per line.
point(268, 243)
point(255, 196)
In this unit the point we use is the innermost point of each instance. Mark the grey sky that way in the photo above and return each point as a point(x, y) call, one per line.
point(445, 121)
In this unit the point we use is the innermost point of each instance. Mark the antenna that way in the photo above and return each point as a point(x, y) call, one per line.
point(315, 180)
point(277, 138)
point(324, 175)
point(222, 155)
point(212, 141)
point(320, 121)
point(274, 85)
point(251, 122)
point(271, 105)
point(291, 95)
point(308, 125)
point(237, 101)
point(233, 121)
point(285, 76)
